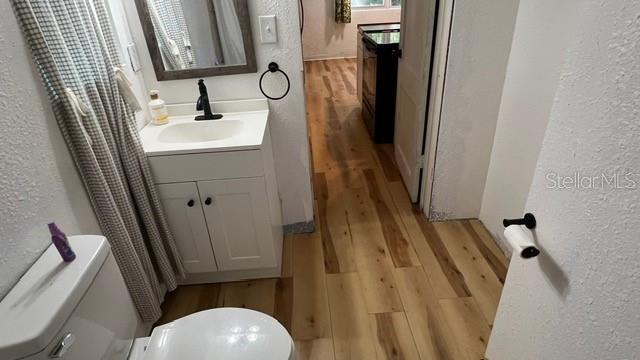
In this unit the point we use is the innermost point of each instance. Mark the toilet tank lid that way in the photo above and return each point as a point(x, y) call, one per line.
point(43, 299)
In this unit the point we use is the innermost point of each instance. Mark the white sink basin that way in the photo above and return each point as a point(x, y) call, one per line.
point(242, 127)
point(201, 131)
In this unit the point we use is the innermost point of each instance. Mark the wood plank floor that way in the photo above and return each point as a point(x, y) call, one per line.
point(376, 280)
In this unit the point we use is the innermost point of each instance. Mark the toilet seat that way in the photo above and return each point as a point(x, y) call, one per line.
point(223, 333)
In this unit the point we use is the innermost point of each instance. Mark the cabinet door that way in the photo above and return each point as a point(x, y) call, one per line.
point(184, 212)
point(237, 214)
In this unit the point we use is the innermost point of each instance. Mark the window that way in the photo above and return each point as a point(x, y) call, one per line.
point(375, 3)
point(367, 3)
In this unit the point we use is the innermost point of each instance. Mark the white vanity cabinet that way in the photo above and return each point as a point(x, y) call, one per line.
point(220, 197)
point(183, 209)
point(227, 217)
point(221, 225)
point(237, 213)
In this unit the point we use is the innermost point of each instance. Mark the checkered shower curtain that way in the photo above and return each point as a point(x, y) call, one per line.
point(73, 47)
point(170, 25)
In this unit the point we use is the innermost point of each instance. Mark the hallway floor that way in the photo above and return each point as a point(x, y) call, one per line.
point(376, 280)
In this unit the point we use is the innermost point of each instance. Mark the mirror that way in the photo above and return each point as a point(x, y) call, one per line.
point(197, 38)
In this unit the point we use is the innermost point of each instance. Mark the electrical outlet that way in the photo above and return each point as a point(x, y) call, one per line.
point(268, 29)
point(133, 57)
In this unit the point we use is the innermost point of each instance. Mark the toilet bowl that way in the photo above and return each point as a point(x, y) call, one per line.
point(224, 333)
point(83, 311)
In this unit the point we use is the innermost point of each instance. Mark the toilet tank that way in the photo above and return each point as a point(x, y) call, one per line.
point(84, 302)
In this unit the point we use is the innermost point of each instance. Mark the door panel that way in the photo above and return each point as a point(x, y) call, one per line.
point(188, 226)
point(413, 82)
point(406, 109)
point(239, 223)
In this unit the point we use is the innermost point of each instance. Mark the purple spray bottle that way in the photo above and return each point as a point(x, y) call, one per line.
point(61, 242)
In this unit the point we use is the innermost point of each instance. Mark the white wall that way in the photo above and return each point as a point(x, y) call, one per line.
point(287, 118)
point(123, 39)
point(323, 38)
point(532, 77)
point(481, 37)
point(38, 180)
point(200, 27)
point(580, 298)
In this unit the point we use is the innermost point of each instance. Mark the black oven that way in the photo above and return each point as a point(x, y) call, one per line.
point(369, 79)
point(369, 73)
point(379, 76)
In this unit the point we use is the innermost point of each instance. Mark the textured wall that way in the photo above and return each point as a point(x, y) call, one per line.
point(287, 118)
point(123, 38)
point(38, 181)
point(581, 298)
point(481, 37)
point(532, 77)
point(323, 38)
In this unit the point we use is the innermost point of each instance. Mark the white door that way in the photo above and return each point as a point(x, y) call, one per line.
point(182, 207)
point(237, 212)
point(417, 28)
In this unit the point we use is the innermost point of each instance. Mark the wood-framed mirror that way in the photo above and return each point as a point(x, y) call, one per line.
point(197, 38)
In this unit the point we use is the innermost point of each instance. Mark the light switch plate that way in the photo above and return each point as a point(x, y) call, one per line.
point(268, 29)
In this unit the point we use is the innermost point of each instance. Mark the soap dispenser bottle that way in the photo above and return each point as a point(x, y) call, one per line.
point(159, 113)
point(61, 243)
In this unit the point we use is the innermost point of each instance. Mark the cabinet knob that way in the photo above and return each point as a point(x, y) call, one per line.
point(208, 201)
point(191, 203)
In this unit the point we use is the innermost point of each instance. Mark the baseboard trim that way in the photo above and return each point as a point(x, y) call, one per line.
point(303, 227)
point(229, 276)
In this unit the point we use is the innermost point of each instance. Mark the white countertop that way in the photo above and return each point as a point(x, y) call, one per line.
point(250, 119)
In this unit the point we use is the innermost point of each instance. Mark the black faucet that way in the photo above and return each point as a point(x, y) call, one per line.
point(203, 104)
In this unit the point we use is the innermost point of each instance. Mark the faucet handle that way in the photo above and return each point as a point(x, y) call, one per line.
point(202, 87)
point(203, 94)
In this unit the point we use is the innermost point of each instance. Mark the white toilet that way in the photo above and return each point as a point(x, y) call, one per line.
point(82, 311)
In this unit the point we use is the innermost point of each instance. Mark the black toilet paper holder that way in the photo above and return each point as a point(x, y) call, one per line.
point(529, 220)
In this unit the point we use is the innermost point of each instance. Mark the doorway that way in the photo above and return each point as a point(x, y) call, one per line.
point(373, 247)
point(421, 69)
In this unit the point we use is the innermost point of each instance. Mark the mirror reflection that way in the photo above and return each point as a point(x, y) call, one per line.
point(194, 34)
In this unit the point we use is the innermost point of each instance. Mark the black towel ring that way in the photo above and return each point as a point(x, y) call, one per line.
point(274, 67)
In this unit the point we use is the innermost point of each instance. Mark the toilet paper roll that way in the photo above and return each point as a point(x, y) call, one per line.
point(521, 241)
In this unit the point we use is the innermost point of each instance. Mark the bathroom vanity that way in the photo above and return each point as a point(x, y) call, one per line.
point(217, 184)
